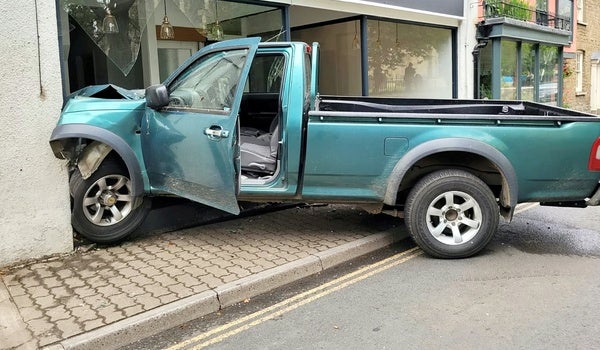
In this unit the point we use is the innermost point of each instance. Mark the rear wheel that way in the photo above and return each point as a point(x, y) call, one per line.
point(451, 214)
point(104, 210)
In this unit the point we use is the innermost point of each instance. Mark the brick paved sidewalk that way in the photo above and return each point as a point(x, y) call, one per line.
point(81, 292)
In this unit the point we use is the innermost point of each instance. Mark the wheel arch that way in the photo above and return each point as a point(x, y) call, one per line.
point(63, 146)
point(431, 149)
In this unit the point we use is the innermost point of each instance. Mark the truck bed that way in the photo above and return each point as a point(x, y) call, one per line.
point(446, 109)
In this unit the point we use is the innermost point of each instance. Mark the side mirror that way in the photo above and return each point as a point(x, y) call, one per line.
point(157, 96)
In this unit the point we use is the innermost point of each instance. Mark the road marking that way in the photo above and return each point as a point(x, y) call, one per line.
point(223, 332)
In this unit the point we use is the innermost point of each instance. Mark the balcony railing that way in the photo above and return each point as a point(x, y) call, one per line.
point(516, 10)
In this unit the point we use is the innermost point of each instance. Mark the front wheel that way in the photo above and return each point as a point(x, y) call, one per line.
point(104, 210)
point(451, 214)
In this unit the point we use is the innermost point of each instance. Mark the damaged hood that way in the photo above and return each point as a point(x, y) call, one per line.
point(108, 91)
point(104, 97)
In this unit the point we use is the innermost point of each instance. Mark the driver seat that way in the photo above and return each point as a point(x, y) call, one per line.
point(259, 153)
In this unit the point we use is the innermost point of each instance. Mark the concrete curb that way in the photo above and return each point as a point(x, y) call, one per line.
point(170, 315)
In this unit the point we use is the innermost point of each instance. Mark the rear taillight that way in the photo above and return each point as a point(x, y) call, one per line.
point(594, 162)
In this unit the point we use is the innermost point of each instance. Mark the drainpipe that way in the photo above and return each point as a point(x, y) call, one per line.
point(476, 52)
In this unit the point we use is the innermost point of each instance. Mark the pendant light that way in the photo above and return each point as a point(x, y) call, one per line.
point(109, 24)
point(166, 29)
point(217, 30)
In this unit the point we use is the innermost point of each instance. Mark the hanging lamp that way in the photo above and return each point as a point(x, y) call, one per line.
point(217, 30)
point(109, 24)
point(166, 29)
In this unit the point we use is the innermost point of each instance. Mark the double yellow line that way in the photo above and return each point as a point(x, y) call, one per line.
point(225, 331)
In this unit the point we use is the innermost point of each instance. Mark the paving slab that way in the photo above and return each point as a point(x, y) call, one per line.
point(110, 296)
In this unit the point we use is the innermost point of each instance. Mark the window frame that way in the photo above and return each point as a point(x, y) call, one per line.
point(190, 75)
point(580, 11)
point(579, 62)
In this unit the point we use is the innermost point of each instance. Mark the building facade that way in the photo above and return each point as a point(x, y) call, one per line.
point(377, 48)
point(369, 45)
point(34, 215)
point(521, 46)
point(582, 64)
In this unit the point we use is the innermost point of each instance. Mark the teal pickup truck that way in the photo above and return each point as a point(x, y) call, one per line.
point(242, 121)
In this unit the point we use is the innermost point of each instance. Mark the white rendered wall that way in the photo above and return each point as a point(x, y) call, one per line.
point(34, 209)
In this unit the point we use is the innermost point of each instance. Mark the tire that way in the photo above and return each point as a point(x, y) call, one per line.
point(103, 209)
point(451, 214)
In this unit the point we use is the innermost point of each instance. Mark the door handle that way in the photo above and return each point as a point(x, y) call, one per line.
point(216, 132)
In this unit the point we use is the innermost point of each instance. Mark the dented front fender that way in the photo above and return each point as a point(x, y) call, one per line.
point(104, 141)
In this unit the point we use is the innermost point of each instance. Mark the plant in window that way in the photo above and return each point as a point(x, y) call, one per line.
point(517, 9)
point(567, 70)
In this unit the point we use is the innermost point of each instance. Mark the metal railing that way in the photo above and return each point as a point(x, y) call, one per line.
point(508, 9)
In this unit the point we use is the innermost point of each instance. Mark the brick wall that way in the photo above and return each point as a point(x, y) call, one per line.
point(570, 100)
point(588, 41)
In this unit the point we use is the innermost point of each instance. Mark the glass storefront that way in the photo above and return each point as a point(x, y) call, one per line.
point(509, 83)
point(119, 41)
point(402, 60)
point(123, 42)
point(514, 70)
point(549, 63)
point(485, 72)
point(528, 72)
point(340, 52)
point(409, 60)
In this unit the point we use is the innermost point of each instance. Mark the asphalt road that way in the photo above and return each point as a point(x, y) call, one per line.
point(536, 286)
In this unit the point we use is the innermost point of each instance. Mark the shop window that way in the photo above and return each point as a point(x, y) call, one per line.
point(340, 67)
point(528, 72)
point(409, 60)
point(485, 72)
point(509, 82)
point(548, 73)
point(100, 54)
point(171, 54)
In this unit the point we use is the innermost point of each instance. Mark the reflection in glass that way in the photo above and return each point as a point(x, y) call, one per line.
point(548, 74)
point(409, 60)
point(116, 27)
point(508, 84)
point(485, 72)
point(528, 72)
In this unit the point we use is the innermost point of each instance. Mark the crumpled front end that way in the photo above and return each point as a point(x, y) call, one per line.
point(99, 120)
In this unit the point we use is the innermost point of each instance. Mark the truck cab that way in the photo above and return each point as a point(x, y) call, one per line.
point(192, 144)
